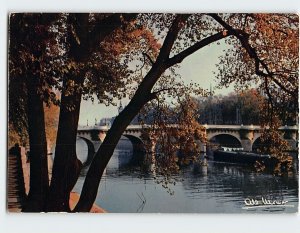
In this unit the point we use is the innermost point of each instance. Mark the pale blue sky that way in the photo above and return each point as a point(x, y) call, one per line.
point(198, 67)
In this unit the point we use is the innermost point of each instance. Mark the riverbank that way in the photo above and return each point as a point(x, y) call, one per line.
point(74, 197)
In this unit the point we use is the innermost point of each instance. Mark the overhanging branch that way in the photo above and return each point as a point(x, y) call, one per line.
point(243, 38)
point(185, 53)
point(154, 94)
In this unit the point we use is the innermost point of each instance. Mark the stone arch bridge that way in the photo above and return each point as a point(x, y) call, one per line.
point(245, 136)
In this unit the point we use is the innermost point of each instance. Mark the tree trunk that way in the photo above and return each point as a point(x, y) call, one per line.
point(39, 181)
point(66, 167)
point(103, 155)
point(140, 98)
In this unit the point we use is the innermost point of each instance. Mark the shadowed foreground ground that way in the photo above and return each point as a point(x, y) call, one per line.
point(15, 200)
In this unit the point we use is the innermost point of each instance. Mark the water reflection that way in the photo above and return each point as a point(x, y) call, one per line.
point(214, 188)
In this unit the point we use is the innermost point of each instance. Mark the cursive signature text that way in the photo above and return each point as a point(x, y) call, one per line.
point(264, 201)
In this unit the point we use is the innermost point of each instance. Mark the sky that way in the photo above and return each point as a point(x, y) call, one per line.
point(198, 68)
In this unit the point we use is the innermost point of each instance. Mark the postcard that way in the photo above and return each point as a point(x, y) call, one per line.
point(153, 113)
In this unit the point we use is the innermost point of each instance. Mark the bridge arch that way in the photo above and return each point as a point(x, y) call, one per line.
point(256, 144)
point(224, 139)
point(138, 146)
point(90, 152)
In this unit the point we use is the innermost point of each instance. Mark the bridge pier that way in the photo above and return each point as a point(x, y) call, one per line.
point(247, 144)
point(290, 134)
point(293, 144)
point(202, 146)
point(97, 144)
point(247, 136)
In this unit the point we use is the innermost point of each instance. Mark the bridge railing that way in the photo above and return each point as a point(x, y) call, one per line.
point(206, 126)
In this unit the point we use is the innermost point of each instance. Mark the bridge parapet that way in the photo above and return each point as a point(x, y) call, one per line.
point(232, 127)
point(290, 132)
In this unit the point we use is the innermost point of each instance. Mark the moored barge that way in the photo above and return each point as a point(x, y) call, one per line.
point(237, 155)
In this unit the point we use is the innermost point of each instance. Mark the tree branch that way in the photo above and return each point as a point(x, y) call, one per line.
point(177, 24)
point(185, 53)
point(161, 63)
point(243, 38)
point(149, 58)
point(154, 94)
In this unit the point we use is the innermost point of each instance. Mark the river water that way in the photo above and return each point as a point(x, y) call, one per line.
point(214, 188)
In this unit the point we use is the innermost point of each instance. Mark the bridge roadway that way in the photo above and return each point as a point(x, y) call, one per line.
point(245, 136)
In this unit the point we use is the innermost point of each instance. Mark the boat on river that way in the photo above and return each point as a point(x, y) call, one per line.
point(238, 155)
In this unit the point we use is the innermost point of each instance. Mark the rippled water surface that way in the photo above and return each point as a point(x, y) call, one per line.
point(215, 188)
